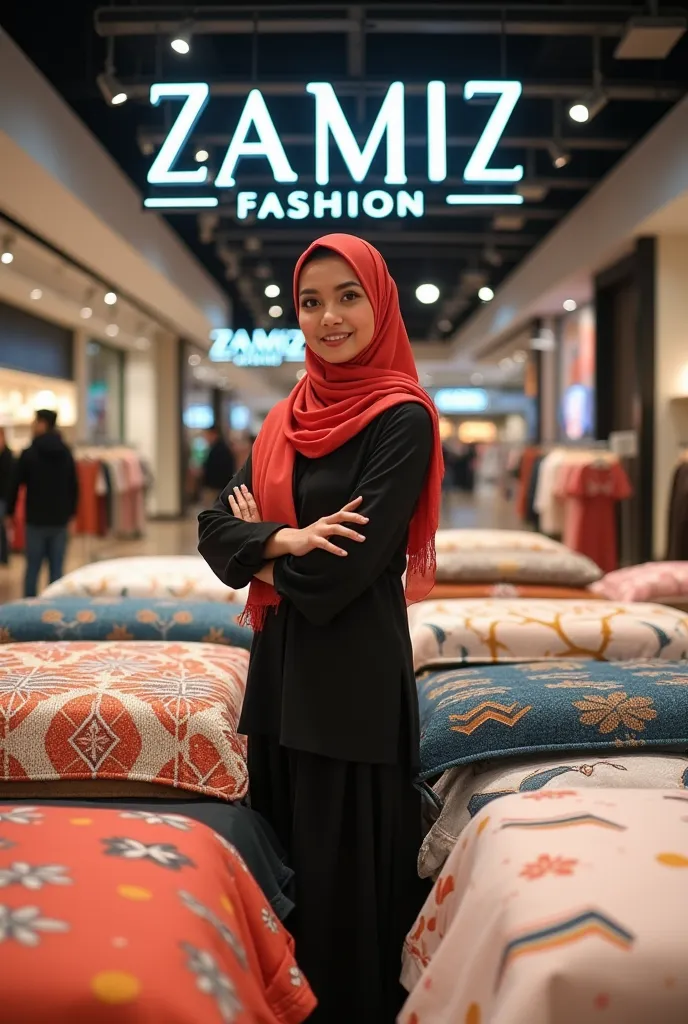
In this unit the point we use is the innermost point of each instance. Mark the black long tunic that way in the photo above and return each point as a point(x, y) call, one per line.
point(331, 667)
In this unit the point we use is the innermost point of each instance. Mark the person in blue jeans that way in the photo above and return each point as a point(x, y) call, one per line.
point(48, 472)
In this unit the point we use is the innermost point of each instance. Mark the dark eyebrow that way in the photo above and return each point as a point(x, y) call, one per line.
point(338, 288)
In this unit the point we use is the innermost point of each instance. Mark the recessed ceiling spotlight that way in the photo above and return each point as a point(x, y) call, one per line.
point(194, 360)
point(486, 294)
point(201, 156)
point(506, 363)
point(477, 378)
point(7, 250)
point(86, 313)
point(109, 298)
point(36, 294)
point(112, 330)
point(275, 311)
point(427, 293)
point(272, 291)
point(143, 343)
point(570, 305)
point(445, 325)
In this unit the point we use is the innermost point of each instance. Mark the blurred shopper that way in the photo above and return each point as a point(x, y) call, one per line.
point(342, 485)
point(6, 470)
point(48, 472)
point(219, 466)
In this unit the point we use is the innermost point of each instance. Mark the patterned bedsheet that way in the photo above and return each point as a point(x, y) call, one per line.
point(113, 916)
point(558, 907)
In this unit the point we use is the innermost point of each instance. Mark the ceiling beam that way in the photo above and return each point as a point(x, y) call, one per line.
point(223, 139)
point(444, 20)
point(448, 238)
point(402, 251)
point(139, 89)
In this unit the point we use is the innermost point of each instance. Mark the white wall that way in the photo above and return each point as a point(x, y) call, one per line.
point(140, 411)
point(167, 465)
point(671, 373)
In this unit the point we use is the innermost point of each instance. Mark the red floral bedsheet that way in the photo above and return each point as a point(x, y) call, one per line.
point(146, 712)
point(111, 917)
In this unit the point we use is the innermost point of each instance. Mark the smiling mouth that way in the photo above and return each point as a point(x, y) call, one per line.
point(334, 340)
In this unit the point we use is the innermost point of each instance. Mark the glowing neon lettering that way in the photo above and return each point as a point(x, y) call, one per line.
point(332, 127)
point(330, 118)
point(437, 131)
point(476, 168)
point(196, 95)
point(259, 348)
point(255, 115)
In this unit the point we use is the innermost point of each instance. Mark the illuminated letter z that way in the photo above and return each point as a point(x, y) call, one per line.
point(196, 95)
point(476, 168)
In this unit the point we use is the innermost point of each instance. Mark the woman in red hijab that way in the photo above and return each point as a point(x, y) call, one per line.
point(338, 500)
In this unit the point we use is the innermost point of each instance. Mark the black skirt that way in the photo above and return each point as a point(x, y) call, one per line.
point(352, 832)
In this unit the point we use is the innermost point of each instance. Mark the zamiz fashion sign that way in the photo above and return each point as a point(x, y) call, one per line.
point(256, 143)
point(257, 348)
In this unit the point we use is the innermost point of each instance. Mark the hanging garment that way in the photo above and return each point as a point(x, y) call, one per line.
point(593, 491)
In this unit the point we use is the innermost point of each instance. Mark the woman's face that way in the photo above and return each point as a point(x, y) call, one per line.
point(335, 314)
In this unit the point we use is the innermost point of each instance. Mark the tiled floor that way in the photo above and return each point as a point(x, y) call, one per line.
point(485, 509)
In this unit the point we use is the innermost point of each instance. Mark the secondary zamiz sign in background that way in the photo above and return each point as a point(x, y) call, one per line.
point(256, 136)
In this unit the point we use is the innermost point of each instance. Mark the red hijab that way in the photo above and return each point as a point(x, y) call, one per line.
point(334, 402)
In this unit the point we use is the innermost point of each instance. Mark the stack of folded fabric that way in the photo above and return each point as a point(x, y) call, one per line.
point(509, 563)
point(120, 692)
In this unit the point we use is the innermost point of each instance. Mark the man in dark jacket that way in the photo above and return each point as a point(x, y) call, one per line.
point(48, 472)
point(6, 473)
point(219, 466)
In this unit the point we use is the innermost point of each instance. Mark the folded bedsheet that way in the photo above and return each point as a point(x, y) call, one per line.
point(501, 630)
point(558, 908)
point(123, 618)
point(465, 791)
point(106, 916)
point(245, 829)
point(154, 712)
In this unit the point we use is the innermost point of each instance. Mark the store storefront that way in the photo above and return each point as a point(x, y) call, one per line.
point(104, 394)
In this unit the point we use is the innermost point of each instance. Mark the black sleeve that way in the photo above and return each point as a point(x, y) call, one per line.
point(234, 550)
point(18, 478)
point(320, 585)
point(73, 488)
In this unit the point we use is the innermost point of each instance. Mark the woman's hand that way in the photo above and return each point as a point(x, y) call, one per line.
point(243, 505)
point(318, 535)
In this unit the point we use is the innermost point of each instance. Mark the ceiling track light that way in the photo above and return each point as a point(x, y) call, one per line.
point(111, 89)
point(589, 106)
point(7, 255)
point(180, 41)
point(560, 157)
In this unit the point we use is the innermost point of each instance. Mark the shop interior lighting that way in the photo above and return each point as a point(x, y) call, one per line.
point(570, 305)
point(531, 192)
point(486, 294)
point(112, 330)
point(194, 360)
point(588, 106)
point(180, 41)
point(520, 356)
point(111, 89)
point(427, 293)
point(300, 374)
point(476, 378)
point(36, 294)
point(142, 343)
point(445, 325)
point(86, 313)
point(506, 363)
point(7, 250)
point(560, 157)
point(109, 298)
point(272, 291)
point(201, 156)
point(275, 311)
point(650, 38)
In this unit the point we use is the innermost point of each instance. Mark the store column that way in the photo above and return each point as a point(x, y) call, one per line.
point(671, 376)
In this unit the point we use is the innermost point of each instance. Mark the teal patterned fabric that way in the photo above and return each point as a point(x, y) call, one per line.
point(475, 714)
point(122, 618)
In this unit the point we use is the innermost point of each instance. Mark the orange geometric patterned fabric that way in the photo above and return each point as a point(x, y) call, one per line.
point(110, 916)
point(145, 712)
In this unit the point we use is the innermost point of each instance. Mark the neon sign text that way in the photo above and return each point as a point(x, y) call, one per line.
point(257, 348)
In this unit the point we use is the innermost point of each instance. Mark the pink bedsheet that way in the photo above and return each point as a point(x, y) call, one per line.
point(558, 907)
